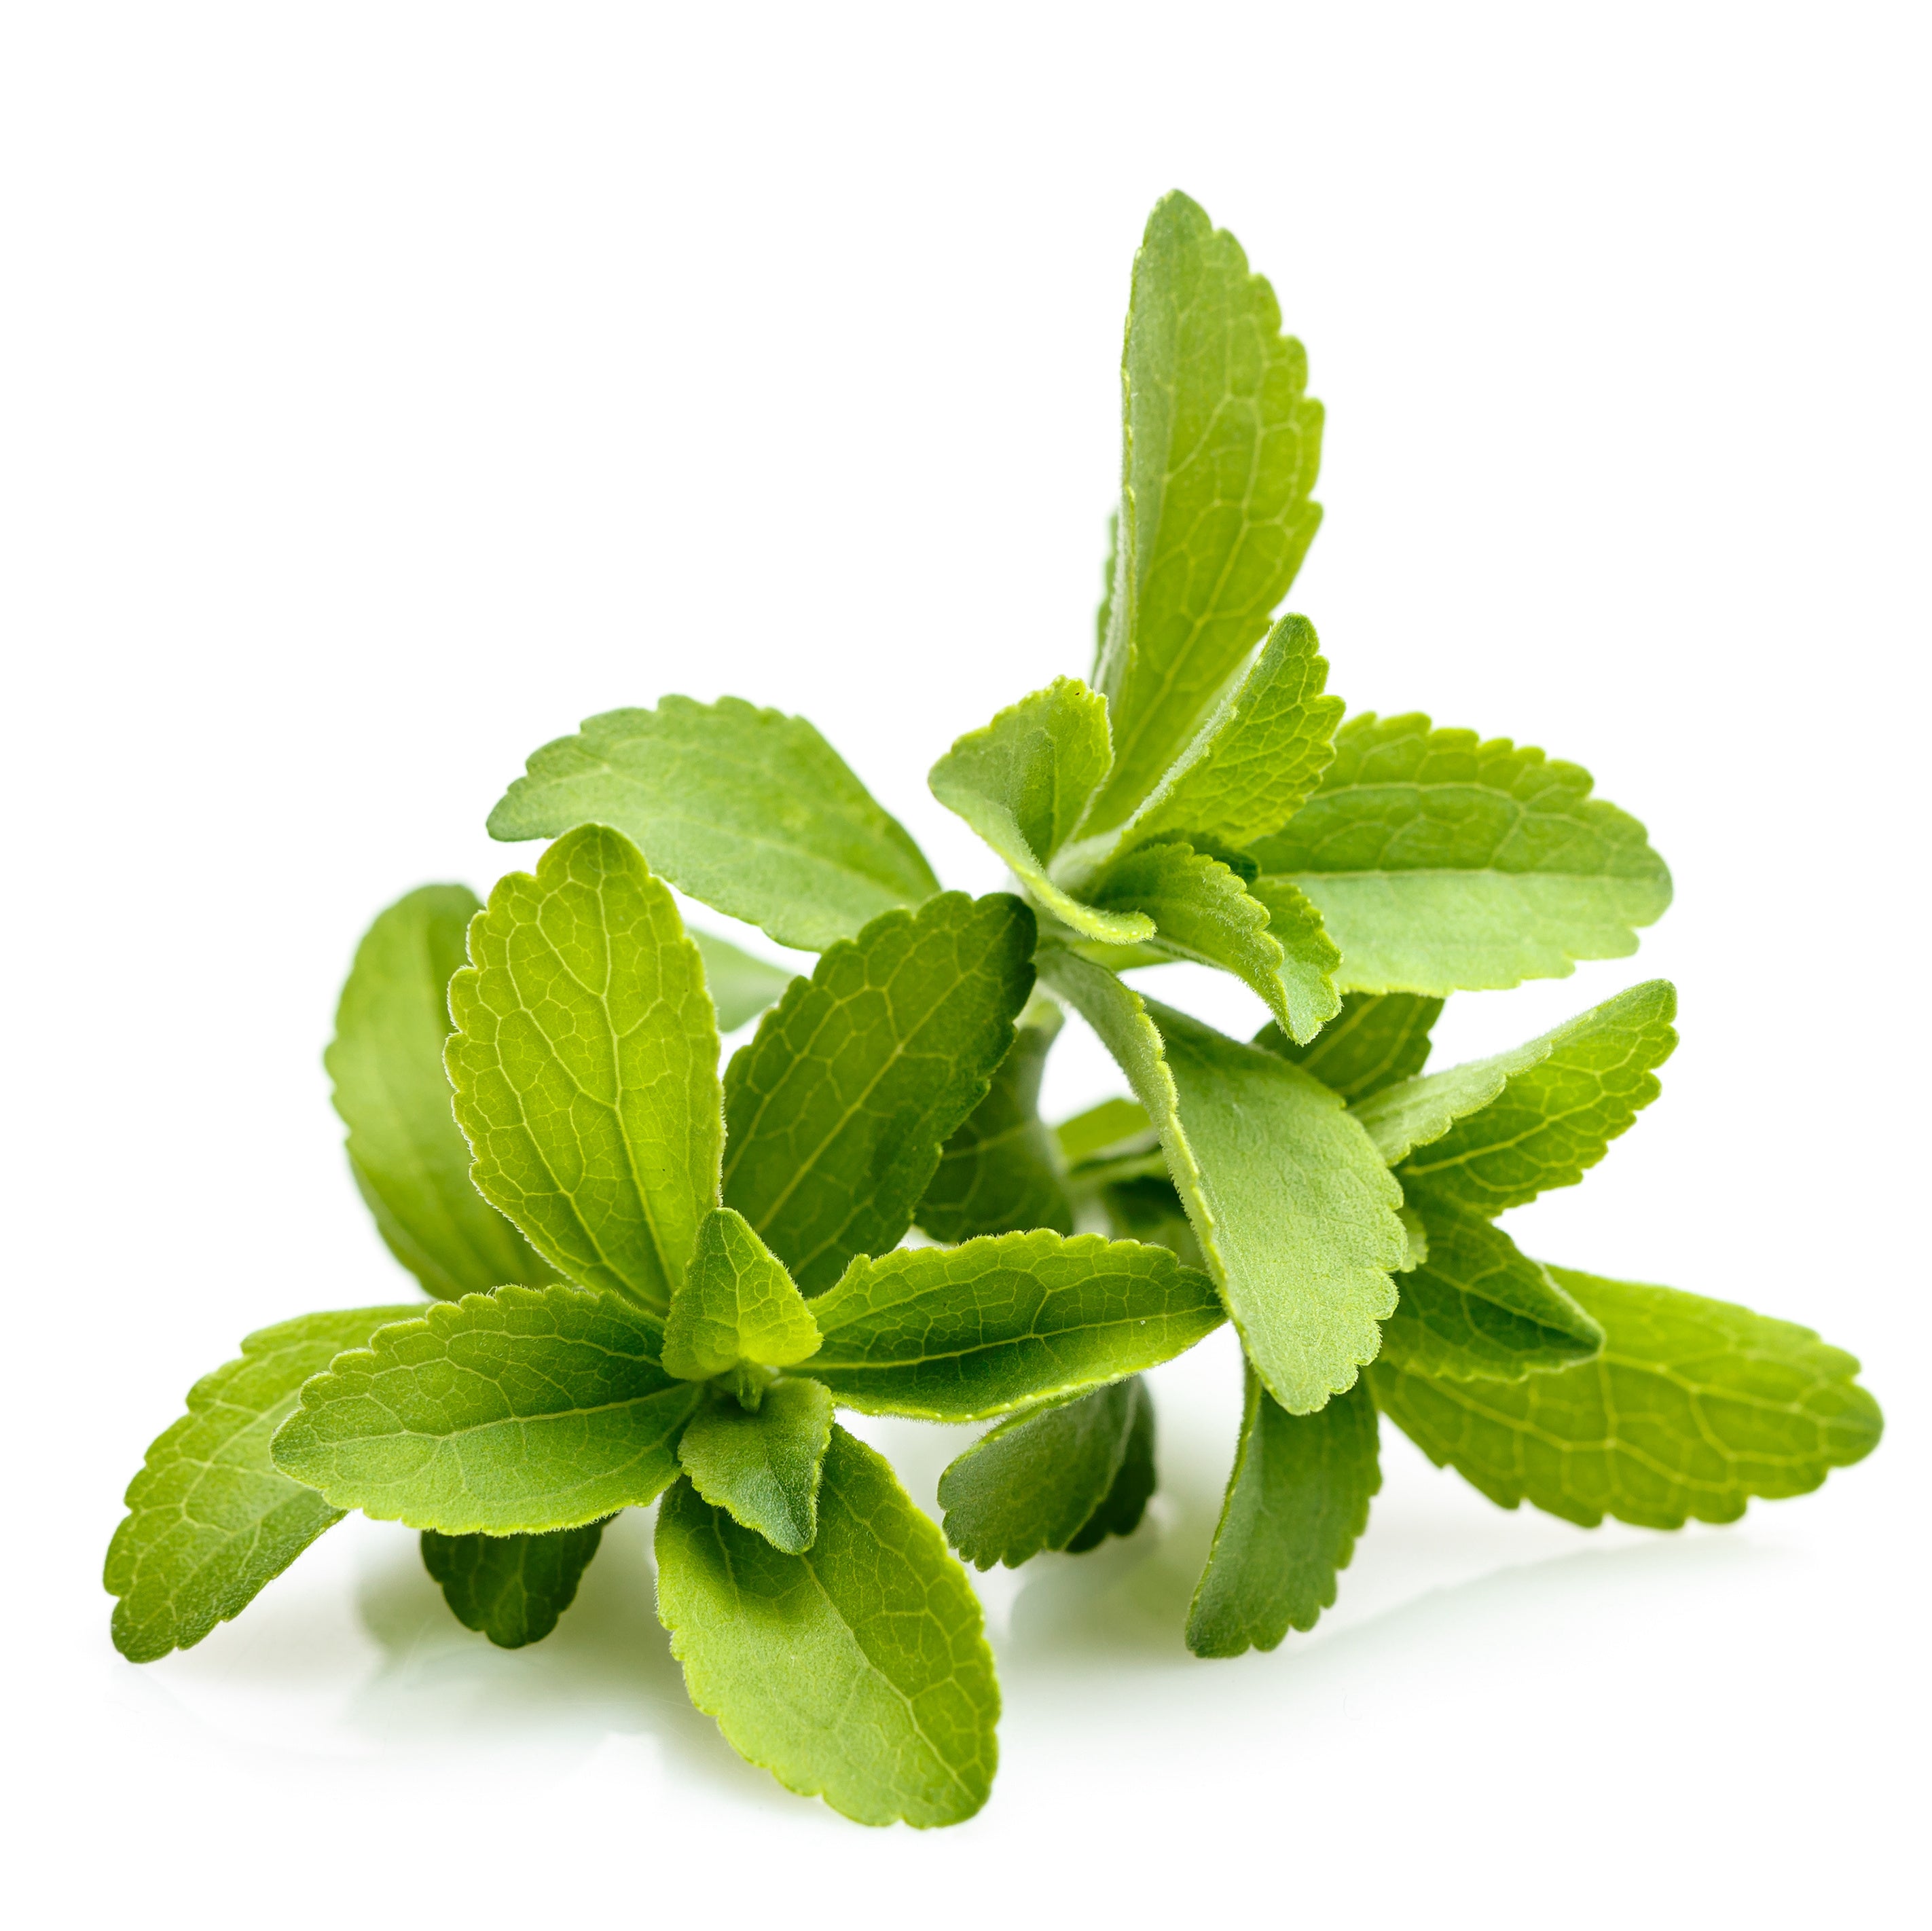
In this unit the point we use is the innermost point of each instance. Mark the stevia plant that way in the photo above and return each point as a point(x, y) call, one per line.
point(649, 1283)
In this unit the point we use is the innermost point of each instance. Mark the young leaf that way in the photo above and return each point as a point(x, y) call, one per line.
point(1558, 1104)
point(857, 1672)
point(1253, 763)
point(1204, 912)
point(210, 1520)
point(838, 1108)
point(742, 987)
point(1377, 1039)
point(410, 1160)
point(1036, 1481)
point(735, 1304)
point(1438, 861)
point(1021, 781)
point(1001, 1170)
point(1693, 1407)
point(1475, 1305)
point(1296, 1499)
point(585, 1063)
point(529, 1409)
point(1221, 446)
point(749, 810)
point(763, 1469)
point(1101, 1129)
point(1294, 1208)
point(512, 1587)
point(1122, 1506)
point(964, 1333)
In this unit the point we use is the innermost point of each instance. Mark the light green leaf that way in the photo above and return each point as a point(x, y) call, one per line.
point(735, 1304)
point(1001, 1170)
point(750, 810)
point(964, 1333)
point(529, 1409)
point(409, 1159)
point(1438, 861)
point(1560, 1102)
point(1293, 1208)
point(838, 1108)
point(1260, 752)
point(585, 1063)
point(1376, 1040)
point(858, 1672)
point(1221, 447)
point(1297, 1499)
point(1105, 1128)
point(742, 987)
point(1021, 782)
point(210, 1522)
point(512, 1587)
point(763, 1468)
point(1203, 910)
point(1122, 1506)
point(1693, 1407)
point(1477, 1306)
point(1036, 1481)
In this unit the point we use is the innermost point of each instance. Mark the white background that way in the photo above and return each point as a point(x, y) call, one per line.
point(387, 387)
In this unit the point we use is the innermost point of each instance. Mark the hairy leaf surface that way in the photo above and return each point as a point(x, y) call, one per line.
point(1476, 1304)
point(1123, 1505)
point(1693, 1407)
point(748, 810)
point(1376, 1040)
point(741, 986)
point(529, 1409)
point(1294, 1209)
point(1002, 1171)
point(1221, 444)
point(735, 1304)
point(1439, 861)
point(964, 1333)
point(585, 1063)
point(1296, 1499)
point(409, 1158)
point(1036, 1481)
point(839, 1106)
point(512, 1587)
point(857, 1672)
point(211, 1520)
point(763, 1468)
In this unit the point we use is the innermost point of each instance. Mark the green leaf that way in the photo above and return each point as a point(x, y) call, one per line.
point(1496, 1133)
point(1294, 1208)
point(838, 1108)
point(1376, 1039)
point(1203, 910)
point(858, 1672)
point(1021, 781)
point(742, 987)
point(409, 1159)
point(529, 1409)
point(1475, 1305)
point(1122, 1506)
point(1296, 1499)
point(763, 1468)
point(1693, 1407)
point(1221, 447)
point(210, 1520)
point(735, 1304)
point(1438, 861)
point(1001, 1170)
point(1149, 1209)
point(1101, 1129)
point(1261, 751)
point(512, 1587)
point(585, 1063)
point(750, 810)
point(1036, 1481)
point(964, 1333)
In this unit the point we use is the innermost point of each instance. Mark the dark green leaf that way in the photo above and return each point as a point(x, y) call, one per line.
point(1122, 1506)
point(512, 1587)
point(1377, 1039)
